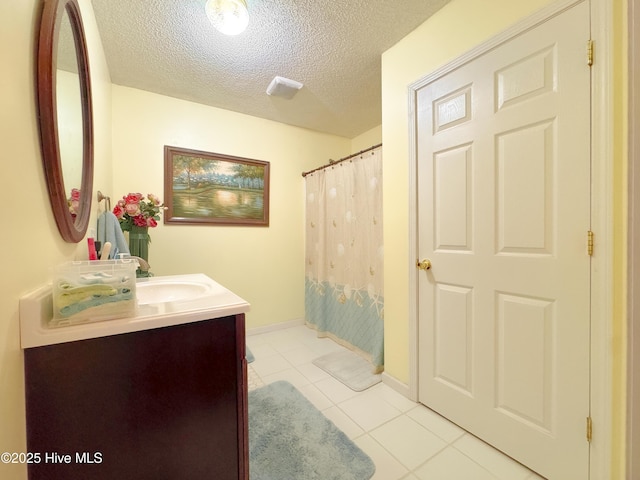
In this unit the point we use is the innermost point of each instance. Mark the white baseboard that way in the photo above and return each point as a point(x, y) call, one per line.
point(275, 326)
point(397, 385)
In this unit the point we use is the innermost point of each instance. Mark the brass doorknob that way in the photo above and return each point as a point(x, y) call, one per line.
point(424, 264)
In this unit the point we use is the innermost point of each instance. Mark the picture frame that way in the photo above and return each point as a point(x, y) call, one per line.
point(203, 188)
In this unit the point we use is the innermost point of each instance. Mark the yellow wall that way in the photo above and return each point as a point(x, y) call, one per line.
point(620, 220)
point(367, 139)
point(263, 265)
point(30, 239)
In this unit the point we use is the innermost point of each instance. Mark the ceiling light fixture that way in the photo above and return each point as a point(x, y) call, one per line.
point(230, 17)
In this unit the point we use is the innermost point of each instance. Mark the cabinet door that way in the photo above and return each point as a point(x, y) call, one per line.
point(167, 403)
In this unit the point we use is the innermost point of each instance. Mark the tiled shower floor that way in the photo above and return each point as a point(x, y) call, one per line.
point(404, 439)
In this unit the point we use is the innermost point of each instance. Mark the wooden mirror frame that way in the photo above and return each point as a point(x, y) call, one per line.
point(71, 229)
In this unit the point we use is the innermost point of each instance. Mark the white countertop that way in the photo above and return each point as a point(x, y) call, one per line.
point(214, 301)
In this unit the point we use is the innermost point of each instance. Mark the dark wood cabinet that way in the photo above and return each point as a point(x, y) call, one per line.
point(167, 403)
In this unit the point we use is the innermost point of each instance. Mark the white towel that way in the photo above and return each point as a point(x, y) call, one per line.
point(109, 231)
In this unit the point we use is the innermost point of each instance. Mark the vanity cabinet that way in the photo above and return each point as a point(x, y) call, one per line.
point(164, 403)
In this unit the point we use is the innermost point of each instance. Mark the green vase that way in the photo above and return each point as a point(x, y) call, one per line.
point(139, 245)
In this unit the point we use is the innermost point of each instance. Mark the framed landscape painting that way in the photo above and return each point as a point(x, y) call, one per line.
point(216, 189)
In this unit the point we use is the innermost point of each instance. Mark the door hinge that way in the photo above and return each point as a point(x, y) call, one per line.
point(590, 243)
point(589, 52)
point(589, 429)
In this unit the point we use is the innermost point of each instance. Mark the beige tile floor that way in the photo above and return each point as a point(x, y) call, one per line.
point(404, 439)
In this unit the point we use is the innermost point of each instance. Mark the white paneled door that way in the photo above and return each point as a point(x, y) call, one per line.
point(503, 151)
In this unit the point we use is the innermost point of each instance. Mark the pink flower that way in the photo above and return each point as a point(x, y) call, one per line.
point(118, 211)
point(132, 209)
point(155, 200)
point(151, 222)
point(73, 202)
point(133, 198)
point(140, 221)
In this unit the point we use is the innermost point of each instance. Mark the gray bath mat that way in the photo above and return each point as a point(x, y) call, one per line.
point(349, 368)
point(290, 439)
point(248, 355)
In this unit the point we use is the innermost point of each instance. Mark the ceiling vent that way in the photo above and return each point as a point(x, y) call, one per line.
point(283, 87)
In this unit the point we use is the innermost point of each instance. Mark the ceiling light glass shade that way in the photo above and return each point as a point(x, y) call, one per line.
point(228, 16)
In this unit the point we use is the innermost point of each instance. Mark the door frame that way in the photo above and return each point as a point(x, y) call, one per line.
point(601, 221)
point(633, 361)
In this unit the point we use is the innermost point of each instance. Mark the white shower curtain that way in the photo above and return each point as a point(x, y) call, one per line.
point(344, 254)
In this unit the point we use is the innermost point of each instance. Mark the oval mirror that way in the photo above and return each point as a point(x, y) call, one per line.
point(65, 116)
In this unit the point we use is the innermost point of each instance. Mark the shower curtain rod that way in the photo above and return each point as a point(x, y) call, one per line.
point(332, 163)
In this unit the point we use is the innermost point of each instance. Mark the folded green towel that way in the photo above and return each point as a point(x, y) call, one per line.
point(71, 294)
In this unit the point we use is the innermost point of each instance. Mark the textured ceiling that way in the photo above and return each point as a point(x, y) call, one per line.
point(334, 48)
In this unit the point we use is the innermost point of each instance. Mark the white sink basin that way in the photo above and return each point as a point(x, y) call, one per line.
point(170, 291)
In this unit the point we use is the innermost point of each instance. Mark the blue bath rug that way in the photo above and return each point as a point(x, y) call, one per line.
point(349, 368)
point(290, 439)
point(249, 356)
